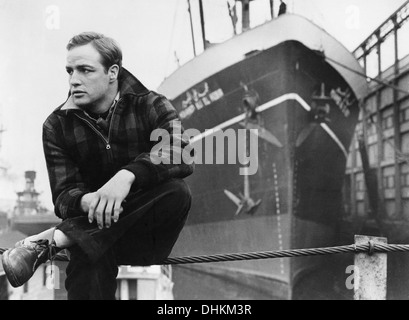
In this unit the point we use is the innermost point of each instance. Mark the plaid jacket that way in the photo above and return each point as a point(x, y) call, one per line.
point(81, 158)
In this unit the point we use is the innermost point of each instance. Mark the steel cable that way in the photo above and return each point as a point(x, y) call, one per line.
point(369, 248)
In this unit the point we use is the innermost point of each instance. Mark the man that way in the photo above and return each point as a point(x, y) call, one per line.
point(118, 205)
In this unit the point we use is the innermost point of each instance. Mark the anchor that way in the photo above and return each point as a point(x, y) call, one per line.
point(252, 121)
point(244, 202)
point(319, 114)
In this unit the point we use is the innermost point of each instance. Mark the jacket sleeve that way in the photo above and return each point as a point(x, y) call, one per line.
point(165, 161)
point(67, 186)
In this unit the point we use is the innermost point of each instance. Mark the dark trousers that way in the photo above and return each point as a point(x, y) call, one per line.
point(144, 235)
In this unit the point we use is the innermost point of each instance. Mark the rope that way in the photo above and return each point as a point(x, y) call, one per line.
point(379, 81)
point(369, 249)
point(399, 155)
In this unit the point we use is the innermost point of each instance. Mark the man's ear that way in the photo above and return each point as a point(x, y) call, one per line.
point(113, 72)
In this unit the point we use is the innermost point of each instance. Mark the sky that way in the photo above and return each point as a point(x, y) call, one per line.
point(155, 37)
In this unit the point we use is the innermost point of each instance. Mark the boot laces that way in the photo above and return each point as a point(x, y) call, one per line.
point(45, 251)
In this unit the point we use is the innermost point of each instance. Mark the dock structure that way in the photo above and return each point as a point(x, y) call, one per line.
point(376, 187)
point(377, 184)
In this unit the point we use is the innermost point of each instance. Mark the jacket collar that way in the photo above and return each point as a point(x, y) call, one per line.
point(128, 85)
point(70, 105)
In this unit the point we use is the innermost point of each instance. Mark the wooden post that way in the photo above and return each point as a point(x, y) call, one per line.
point(202, 24)
point(370, 271)
point(397, 136)
point(245, 15)
point(191, 28)
point(124, 291)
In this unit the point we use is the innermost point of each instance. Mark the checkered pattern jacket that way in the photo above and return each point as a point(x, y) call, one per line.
point(81, 157)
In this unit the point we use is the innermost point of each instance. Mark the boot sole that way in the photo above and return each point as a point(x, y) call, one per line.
point(11, 277)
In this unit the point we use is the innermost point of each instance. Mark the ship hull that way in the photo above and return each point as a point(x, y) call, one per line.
point(299, 176)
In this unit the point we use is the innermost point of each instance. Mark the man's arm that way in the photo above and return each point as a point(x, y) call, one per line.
point(161, 116)
point(71, 196)
point(105, 204)
point(66, 182)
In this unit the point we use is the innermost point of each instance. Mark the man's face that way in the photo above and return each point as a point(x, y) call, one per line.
point(88, 78)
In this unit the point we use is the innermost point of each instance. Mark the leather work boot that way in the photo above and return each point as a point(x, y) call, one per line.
point(20, 262)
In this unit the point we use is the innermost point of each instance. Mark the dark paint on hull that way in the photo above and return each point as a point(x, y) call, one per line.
point(300, 186)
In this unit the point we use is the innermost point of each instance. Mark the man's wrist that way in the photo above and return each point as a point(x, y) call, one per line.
point(127, 175)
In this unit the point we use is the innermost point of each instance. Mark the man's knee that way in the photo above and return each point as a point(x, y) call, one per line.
point(176, 204)
point(180, 192)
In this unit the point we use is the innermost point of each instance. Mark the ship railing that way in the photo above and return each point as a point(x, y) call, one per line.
point(371, 50)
